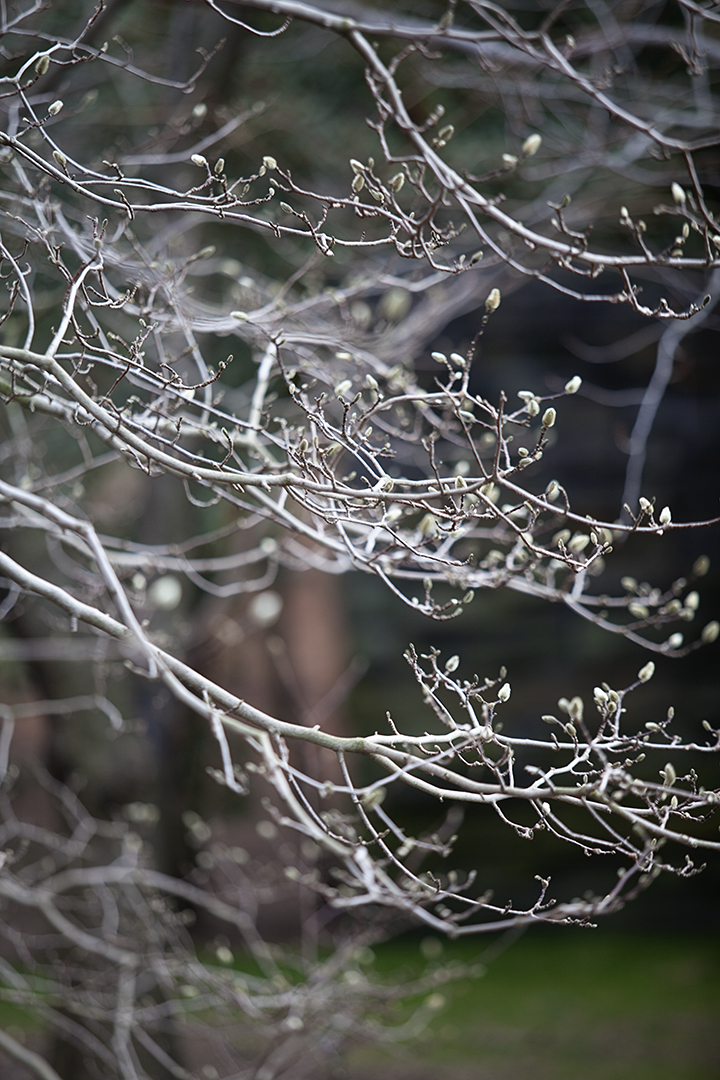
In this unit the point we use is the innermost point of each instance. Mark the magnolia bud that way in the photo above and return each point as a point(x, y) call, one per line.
point(531, 145)
point(493, 301)
point(504, 692)
point(549, 418)
point(576, 708)
point(646, 673)
point(198, 159)
point(578, 543)
point(55, 108)
point(573, 385)
point(269, 162)
point(678, 193)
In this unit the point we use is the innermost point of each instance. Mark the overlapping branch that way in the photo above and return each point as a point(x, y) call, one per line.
point(329, 442)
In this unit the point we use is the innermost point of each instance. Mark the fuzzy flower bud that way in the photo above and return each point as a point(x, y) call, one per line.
point(576, 708)
point(199, 160)
point(669, 775)
point(531, 145)
point(493, 301)
point(55, 108)
point(504, 692)
point(678, 193)
point(578, 543)
point(573, 385)
point(646, 673)
point(549, 418)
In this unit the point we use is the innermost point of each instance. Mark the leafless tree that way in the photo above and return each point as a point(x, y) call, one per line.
point(329, 449)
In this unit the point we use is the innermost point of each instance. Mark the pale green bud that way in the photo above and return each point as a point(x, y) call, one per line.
point(531, 145)
point(678, 193)
point(493, 301)
point(646, 673)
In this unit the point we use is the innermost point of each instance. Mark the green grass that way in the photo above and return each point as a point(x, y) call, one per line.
point(563, 1004)
point(567, 1005)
